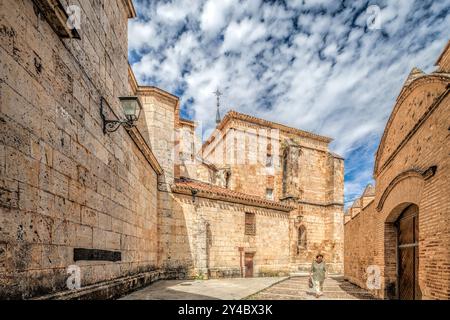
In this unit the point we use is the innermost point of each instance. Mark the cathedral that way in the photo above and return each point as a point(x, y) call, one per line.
point(256, 198)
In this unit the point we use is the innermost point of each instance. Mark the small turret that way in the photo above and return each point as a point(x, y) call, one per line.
point(413, 75)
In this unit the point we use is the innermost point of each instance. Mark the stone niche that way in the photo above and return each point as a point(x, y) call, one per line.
point(291, 153)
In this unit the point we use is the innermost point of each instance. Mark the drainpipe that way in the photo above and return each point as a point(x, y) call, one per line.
point(241, 249)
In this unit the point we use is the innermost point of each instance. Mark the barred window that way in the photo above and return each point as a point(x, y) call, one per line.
point(250, 224)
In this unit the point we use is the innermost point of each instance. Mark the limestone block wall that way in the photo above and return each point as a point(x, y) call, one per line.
point(209, 233)
point(314, 177)
point(244, 147)
point(324, 234)
point(63, 183)
point(158, 128)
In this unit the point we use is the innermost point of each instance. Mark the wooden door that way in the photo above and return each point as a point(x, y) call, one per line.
point(408, 254)
point(249, 265)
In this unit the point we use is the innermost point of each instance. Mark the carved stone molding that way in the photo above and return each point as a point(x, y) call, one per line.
point(145, 149)
point(425, 175)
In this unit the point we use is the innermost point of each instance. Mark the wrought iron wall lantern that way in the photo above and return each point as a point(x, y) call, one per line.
point(132, 108)
point(299, 218)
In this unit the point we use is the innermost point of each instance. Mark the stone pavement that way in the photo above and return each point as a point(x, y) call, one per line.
point(220, 289)
point(296, 288)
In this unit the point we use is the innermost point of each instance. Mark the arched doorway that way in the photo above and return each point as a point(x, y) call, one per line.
point(407, 226)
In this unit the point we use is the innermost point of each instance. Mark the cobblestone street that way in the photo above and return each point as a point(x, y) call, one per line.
point(222, 289)
point(296, 288)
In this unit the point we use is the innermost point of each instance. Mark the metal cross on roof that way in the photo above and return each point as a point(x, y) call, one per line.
point(218, 94)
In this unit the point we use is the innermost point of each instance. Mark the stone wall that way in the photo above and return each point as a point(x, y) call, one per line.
point(208, 235)
point(64, 184)
point(313, 180)
point(324, 234)
point(412, 168)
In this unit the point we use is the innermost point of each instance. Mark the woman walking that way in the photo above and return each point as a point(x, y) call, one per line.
point(318, 274)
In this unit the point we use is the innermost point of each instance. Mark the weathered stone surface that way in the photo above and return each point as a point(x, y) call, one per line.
point(412, 168)
point(302, 172)
point(63, 183)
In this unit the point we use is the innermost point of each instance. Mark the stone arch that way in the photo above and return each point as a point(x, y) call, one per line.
point(302, 239)
point(404, 191)
point(407, 187)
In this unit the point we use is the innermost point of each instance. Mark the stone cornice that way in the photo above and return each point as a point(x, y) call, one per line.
point(145, 149)
point(422, 174)
point(403, 95)
point(131, 11)
point(319, 204)
point(151, 90)
point(132, 80)
point(266, 123)
point(234, 115)
point(187, 122)
point(203, 190)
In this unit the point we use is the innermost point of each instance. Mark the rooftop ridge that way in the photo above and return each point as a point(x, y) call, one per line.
point(187, 185)
point(246, 117)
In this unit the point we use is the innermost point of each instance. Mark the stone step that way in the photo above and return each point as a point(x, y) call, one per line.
point(335, 288)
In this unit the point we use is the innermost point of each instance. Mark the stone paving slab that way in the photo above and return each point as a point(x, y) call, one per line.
point(296, 288)
point(221, 289)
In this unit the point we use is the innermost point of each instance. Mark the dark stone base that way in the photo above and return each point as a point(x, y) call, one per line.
point(116, 288)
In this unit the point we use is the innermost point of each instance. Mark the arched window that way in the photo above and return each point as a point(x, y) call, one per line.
point(301, 237)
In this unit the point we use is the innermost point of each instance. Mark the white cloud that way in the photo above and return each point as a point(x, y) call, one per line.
point(310, 64)
point(214, 15)
point(242, 33)
point(141, 35)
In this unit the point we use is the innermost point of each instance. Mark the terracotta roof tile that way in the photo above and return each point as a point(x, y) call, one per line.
point(185, 185)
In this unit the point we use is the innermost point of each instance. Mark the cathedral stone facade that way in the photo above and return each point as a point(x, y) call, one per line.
point(115, 211)
point(397, 235)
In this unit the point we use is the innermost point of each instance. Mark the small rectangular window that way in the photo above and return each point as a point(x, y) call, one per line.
point(250, 224)
point(269, 194)
point(269, 160)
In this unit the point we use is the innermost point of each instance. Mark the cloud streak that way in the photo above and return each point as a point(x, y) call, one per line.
point(311, 64)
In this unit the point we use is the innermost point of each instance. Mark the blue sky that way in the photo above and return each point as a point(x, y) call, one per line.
point(330, 67)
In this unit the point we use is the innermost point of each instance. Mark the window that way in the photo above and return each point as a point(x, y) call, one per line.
point(227, 179)
point(192, 151)
point(285, 165)
point(302, 237)
point(269, 160)
point(250, 224)
point(269, 194)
